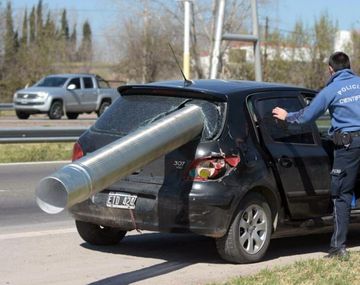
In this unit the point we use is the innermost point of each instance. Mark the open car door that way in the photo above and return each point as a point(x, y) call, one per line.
point(300, 162)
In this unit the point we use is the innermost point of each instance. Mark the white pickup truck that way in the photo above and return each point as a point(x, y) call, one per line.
point(70, 94)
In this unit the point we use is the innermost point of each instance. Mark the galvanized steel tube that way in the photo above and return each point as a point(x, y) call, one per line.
point(83, 178)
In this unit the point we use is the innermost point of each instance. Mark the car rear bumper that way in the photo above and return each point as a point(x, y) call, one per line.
point(207, 215)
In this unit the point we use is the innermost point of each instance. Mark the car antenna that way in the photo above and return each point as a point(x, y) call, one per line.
point(187, 82)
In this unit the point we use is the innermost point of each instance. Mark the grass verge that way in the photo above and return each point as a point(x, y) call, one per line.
point(313, 271)
point(35, 152)
point(7, 113)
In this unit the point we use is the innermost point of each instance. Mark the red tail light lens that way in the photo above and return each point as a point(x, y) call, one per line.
point(211, 168)
point(77, 152)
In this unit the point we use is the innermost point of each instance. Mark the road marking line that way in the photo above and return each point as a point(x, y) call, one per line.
point(37, 234)
point(4, 190)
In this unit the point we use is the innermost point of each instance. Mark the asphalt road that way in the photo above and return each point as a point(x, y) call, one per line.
point(37, 248)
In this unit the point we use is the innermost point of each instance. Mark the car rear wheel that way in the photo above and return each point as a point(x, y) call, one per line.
point(99, 235)
point(72, 116)
point(22, 115)
point(104, 105)
point(249, 234)
point(56, 110)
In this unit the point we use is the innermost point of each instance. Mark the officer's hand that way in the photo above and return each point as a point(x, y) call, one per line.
point(279, 113)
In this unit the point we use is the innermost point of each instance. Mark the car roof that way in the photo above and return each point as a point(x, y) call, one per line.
point(71, 75)
point(212, 89)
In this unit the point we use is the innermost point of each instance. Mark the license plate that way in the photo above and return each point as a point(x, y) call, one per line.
point(121, 200)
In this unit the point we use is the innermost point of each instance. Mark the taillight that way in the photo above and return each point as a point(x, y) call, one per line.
point(211, 168)
point(77, 152)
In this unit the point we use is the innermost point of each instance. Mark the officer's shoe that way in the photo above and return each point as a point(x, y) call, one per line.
point(339, 253)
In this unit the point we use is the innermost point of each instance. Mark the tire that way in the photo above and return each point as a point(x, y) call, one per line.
point(99, 235)
point(56, 110)
point(22, 115)
point(248, 237)
point(72, 116)
point(104, 105)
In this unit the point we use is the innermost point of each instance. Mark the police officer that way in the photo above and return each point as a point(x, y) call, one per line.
point(341, 97)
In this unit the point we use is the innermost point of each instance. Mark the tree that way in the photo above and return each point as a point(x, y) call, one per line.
point(64, 30)
point(24, 35)
point(355, 53)
point(321, 48)
point(39, 21)
point(85, 50)
point(299, 43)
point(10, 41)
point(32, 25)
point(145, 45)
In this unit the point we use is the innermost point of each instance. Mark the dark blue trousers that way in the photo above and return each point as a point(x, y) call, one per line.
point(343, 179)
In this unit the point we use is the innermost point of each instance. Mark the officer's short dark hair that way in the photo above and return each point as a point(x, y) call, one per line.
point(339, 60)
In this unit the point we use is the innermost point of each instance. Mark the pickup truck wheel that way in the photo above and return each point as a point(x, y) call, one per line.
point(22, 115)
point(72, 116)
point(103, 107)
point(99, 235)
point(56, 110)
point(249, 234)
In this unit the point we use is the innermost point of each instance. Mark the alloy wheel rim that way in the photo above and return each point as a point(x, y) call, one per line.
point(253, 229)
point(57, 111)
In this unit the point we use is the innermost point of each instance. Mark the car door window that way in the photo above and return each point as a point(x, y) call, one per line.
point(75, 81)
point(88, 83)
point(281, 131)
point(324, 121)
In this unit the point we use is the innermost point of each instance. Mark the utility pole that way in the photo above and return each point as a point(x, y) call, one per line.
point(266, 39)
point(187, 19)
point(218, 37)
point(257, 54)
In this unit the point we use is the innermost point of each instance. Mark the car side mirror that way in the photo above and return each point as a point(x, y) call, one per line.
point(71, 87)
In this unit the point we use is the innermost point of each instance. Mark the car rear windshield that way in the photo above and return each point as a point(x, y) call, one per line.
point(51, 82)
point(129, 113)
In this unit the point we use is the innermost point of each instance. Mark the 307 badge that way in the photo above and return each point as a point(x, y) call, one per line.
point(179, 164)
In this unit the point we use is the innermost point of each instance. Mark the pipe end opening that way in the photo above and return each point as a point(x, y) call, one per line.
point(51, 195)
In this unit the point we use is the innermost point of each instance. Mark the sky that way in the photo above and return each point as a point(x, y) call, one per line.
point(100, 13)
point(104, 15)
point(286, 12)
point(283, 13)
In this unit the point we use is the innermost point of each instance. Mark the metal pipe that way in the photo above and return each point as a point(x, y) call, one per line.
point(91, 174)
point(257, 54)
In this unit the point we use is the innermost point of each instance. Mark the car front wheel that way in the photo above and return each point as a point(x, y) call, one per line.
point(72, 116)
point(22, 115)
point(99, 235)
point(56, 110)
point(249, 234)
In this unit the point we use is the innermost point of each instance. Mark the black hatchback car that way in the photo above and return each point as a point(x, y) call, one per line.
point(245, 179)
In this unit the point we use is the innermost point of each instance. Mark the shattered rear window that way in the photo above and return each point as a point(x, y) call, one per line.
point(129, 113)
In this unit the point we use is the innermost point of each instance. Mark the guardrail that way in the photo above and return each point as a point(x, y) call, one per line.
point(40, 134)
point(6, 106)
